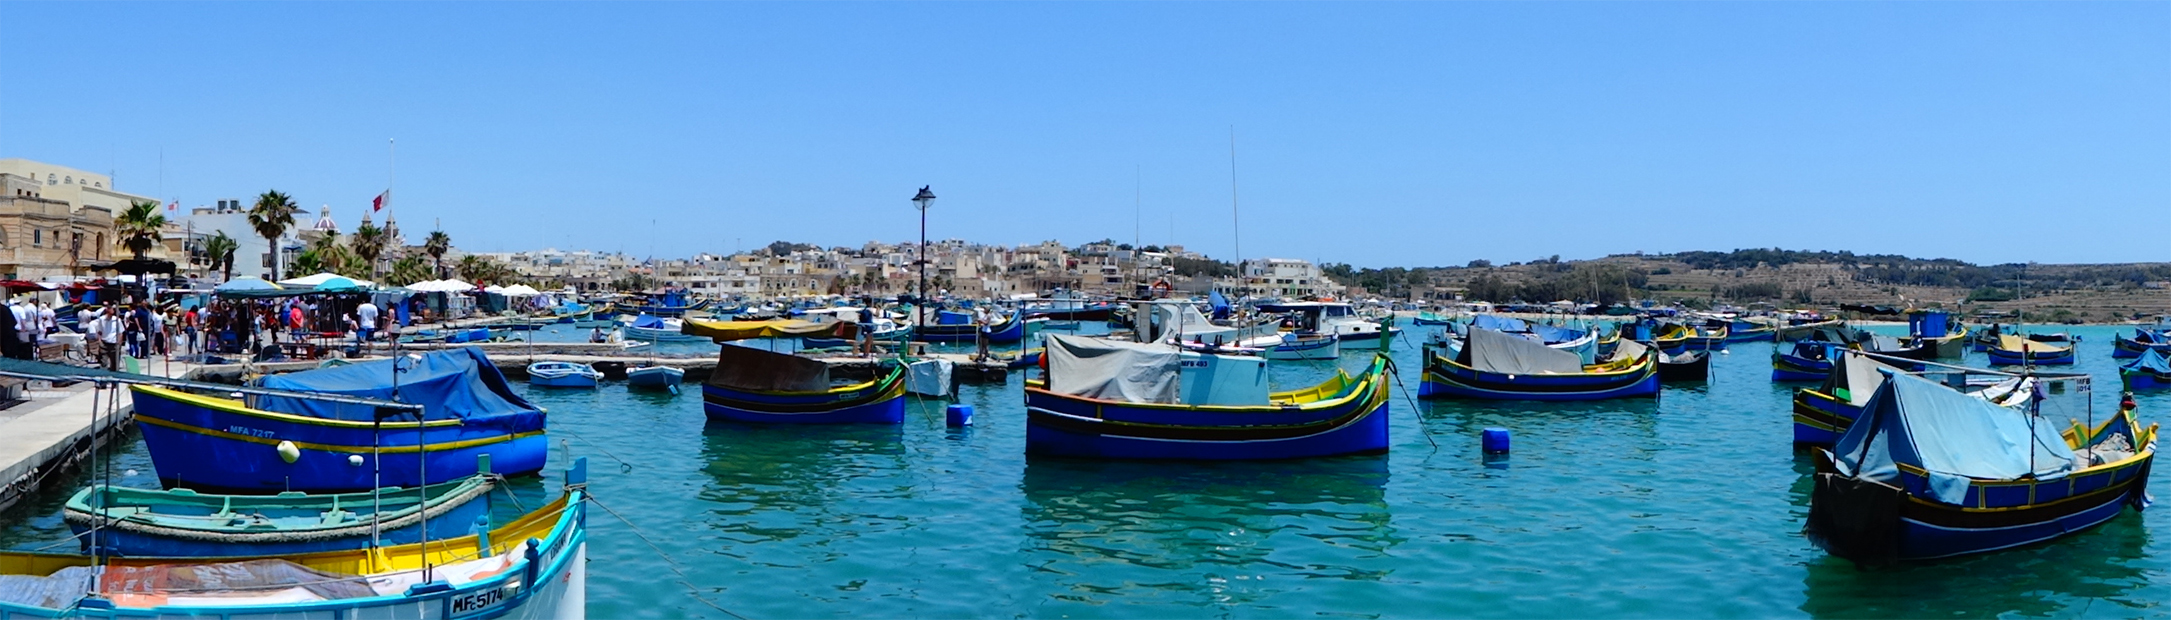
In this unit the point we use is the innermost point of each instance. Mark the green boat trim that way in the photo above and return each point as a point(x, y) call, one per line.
point(240, 519)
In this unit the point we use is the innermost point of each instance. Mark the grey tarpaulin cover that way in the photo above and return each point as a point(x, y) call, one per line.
point(930, 377)
point(1629, 349)
point(1494, 351)
point(1109, 370)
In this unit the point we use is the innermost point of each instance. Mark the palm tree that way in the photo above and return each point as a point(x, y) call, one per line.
point(436, 246)
point(139, 227)
point(407, 270)
point(221, 248)
point(368, 244)
point(271, 217)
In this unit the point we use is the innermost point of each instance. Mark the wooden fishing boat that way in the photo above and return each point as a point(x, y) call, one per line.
point(1690, 366)
point(2143, 340)
point(2016, 351)
point(1706, 338)
point(564, 374)
point(1791, 333)
point(1494, 365)
point(1823, 413)
point(1010, 329)
point(1608, 343)
point(1745, 330)
point(1805, 360)
point(659, 329)
point(2151, 372)
point(752, 385)
point(533, 567)
point(1116, 400)
point(1670, 338)
point(655, 378)
point(1928, 472)
point(1936, 331)
point(1292, 346)
point(184, 523)
point(673, 302)
point(1430, 318)
point(211, 443)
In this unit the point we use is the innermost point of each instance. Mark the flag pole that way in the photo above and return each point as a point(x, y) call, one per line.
point(392, 169)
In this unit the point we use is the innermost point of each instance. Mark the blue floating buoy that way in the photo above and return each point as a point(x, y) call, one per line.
point(1496, 440)
point(959, 415)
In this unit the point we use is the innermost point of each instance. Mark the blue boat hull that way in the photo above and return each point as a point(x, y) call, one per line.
point(2144, 380)
point(1786, 367)
point(453, 523)
point(883, 402)
point(2127, 348)
point(566, 381)
point(1820, 419)
point(1065, 426)
point(2002, 357)
point(1009, 331)
point(1444, 381)
point(214, 450)
point(2001, 516)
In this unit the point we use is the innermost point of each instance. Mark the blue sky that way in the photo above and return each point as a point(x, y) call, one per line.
point(1374, 134)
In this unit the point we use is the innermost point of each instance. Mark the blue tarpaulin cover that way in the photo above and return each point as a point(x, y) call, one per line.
point(1218, 303)
point(1953, 436)
point(952, 318)
point(648, 322)
point(1556, 335)
point(2151, 361)
point(452, 384)
point(1500, 323)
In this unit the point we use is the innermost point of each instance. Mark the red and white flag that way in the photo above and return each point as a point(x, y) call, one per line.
point(382, 200)
point(173, 206)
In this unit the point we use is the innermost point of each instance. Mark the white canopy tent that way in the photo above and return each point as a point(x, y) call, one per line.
point(313, 281)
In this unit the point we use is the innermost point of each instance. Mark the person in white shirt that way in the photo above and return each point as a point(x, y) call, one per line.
point(26, 328)
point(107, 329)
point(366, 317)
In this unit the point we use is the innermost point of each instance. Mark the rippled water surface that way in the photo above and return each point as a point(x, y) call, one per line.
point(1686, 506)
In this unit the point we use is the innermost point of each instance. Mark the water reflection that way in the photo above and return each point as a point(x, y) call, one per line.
point(2100, 567)
point(1098, 527)
point(774, 482)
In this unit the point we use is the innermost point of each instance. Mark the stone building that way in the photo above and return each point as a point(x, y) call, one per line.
point(56, 221)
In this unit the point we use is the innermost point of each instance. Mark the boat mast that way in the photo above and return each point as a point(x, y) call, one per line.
point(1236, 224)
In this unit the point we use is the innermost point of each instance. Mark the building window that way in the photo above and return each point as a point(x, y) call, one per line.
point(52, 179)
point(37, 237)
point(67, 180)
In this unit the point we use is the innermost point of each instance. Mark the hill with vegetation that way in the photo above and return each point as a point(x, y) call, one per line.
point(1792, 278)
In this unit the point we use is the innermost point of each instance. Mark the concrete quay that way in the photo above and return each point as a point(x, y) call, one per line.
point(56, 428)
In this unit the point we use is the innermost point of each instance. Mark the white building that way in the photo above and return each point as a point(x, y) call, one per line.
point(1286, 277)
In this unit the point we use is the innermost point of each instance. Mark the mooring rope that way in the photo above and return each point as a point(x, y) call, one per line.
point(691, 589)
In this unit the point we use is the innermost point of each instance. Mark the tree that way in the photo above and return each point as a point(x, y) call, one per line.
point(436, 246)
point(272, 215)
point(139, 227)
point(367, 243)
point(408, 270)
point(221, 250)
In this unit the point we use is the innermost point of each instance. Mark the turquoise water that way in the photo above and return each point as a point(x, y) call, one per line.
point(1687, 506)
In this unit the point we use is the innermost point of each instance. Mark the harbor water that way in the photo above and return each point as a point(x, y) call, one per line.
point(1690, 505)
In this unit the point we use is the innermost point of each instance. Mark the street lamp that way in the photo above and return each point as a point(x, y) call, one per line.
point(923, 200)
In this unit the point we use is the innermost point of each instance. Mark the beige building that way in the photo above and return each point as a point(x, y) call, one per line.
point(56, 220)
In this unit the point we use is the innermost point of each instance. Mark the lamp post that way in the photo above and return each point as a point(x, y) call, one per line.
point(923, 200)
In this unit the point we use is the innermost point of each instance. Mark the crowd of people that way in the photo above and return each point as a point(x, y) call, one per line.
point(140, 330)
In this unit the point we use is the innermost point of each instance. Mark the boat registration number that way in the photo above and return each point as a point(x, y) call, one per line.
point(473, 602)
point(251, 432)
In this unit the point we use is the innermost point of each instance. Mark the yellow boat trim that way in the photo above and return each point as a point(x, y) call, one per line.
point(506, 539)
point(1640, 364)
point(238, 408)
point(449, 445)
point(1365, 385)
